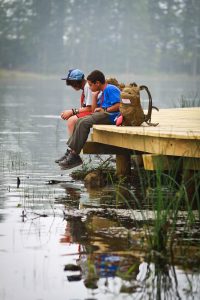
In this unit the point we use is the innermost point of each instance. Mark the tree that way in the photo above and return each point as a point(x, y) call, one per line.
point(191, 36)
point(115, 36)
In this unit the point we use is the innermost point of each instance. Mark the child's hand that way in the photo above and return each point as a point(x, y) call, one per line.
point(66, 114)
point(98, 109)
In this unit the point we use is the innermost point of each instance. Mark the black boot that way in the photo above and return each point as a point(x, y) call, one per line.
point(63, 157)
point(71, 161)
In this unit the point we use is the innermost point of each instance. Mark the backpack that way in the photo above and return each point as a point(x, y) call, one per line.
point(132, 112)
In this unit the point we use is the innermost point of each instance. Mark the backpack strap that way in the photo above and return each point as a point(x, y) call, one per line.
point(147, 117)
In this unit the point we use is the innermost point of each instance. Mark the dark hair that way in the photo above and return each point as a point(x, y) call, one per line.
point(74, 83)
point(95, 76)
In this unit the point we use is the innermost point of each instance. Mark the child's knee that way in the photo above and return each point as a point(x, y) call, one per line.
point(72, 122)
point(80, 122)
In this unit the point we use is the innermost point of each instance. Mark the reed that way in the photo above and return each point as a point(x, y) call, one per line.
point(166, 196)
point(193, 101)
point(190, 101)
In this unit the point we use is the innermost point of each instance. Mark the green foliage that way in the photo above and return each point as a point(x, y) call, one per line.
point(105, 170)
point(126, 36)
point(169, 201)
point(192, 102)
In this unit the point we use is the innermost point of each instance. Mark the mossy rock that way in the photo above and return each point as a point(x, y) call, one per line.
point(95, 179)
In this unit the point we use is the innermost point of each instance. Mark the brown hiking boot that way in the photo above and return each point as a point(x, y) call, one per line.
point(62, 157)
point(71, 161)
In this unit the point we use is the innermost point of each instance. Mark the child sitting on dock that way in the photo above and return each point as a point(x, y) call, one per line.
point(76, 79)
point(105, 111)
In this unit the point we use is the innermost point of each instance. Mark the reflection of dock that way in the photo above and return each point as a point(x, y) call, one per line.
point(177, 135)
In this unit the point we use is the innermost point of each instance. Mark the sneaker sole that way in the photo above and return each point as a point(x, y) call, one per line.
point(71, 166)
point(58, 161)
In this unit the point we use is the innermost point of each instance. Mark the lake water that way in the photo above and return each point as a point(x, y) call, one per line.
point(37, 242)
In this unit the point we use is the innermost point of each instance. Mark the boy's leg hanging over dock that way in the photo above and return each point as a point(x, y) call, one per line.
point(82, 130)
point(79, 138)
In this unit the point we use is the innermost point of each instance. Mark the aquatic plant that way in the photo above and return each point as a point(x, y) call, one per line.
point(191, 101)
point(104, 169)
point(167, 195)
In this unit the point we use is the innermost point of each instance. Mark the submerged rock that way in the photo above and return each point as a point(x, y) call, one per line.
point(129, 289)
point(95, 179)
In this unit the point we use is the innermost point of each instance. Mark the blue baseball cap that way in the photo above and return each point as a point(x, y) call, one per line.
point(74, 74)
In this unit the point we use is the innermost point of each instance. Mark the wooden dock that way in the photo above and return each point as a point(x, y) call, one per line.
point(177, 135)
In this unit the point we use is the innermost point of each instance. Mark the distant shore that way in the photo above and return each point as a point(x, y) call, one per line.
point(123, 77)
point(24, 75)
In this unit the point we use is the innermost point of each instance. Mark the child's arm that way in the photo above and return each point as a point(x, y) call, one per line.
point(66, 114)
point(94, 100)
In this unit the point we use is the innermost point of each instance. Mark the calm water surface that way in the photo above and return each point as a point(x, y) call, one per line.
point(36, 241)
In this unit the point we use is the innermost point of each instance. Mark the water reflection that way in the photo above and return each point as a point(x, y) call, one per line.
point(107, 267)
point(99, 258)
point(75, 232)
point(71, 197)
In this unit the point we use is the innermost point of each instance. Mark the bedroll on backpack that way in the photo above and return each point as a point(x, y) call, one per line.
point(132, 112)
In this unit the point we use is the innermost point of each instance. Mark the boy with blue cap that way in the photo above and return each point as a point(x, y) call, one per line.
point(106, 109)
point(76, 79)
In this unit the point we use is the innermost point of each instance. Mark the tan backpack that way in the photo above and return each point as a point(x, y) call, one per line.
point(132, 112)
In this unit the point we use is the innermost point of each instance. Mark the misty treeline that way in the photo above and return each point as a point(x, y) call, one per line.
point(115, 35)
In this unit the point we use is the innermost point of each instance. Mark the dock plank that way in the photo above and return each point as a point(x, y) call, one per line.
point(178, 134)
